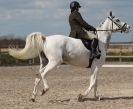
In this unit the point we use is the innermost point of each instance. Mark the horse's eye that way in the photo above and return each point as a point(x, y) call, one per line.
point(117, 20)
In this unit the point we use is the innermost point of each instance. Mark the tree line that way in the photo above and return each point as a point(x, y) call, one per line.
point(6, 42)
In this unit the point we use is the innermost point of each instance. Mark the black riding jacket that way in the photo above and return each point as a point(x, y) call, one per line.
point(77, 24)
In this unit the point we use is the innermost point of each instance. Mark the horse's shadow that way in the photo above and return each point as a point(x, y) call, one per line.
point(65, 101)
point(108, 98)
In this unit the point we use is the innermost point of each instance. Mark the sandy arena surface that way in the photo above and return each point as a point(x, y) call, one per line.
point(115, 86)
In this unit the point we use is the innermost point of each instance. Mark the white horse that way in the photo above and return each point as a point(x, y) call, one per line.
point(57, 49)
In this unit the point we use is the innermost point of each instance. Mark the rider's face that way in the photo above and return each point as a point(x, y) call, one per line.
point(77, 9)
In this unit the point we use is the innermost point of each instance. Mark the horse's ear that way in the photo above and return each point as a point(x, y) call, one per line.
point(110, 14)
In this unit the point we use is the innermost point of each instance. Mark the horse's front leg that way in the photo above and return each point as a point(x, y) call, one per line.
point(95, 90)
point(93, 83)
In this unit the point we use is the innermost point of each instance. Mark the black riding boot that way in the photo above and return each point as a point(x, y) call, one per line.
point(95, 53)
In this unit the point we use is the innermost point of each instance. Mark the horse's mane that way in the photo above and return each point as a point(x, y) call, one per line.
point(101, 24)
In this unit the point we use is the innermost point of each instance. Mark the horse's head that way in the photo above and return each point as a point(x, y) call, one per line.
point(112, 24)
point(117, 25)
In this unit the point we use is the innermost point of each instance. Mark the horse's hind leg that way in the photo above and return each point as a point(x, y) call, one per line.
point(51, 65)
point(43, 63)
point(37, 81)
point(95, 89)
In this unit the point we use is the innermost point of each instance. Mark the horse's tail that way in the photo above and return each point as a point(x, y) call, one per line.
point(34, 45)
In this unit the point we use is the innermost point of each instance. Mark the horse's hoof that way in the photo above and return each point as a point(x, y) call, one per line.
point(42, 92)
point(32, 100)
point(80, 98)
point(98, 98)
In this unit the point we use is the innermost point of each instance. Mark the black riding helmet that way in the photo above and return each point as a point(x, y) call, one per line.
point(74, 5)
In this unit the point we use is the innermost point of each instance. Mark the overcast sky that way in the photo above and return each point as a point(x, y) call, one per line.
point(21, 17)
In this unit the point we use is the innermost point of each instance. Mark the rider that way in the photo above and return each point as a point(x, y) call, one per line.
point(79, 26)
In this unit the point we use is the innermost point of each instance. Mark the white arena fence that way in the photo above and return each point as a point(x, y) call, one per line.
point(117, 66)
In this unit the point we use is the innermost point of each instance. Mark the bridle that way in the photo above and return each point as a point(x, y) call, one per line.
point(120, 28)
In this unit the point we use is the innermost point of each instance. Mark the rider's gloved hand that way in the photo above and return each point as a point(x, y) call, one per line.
point(95, 32)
